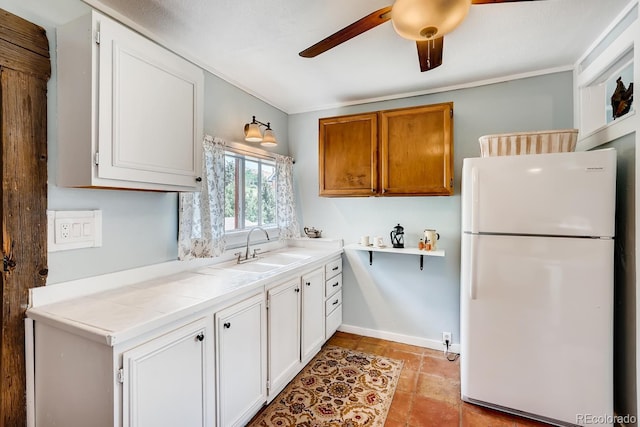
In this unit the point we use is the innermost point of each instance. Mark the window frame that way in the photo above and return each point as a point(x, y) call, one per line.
point(238, 238)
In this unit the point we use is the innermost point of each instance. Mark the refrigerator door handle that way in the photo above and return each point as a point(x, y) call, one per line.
point(472, 267)
point(475, 184)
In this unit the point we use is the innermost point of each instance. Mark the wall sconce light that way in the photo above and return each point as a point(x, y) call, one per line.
point(252, 133)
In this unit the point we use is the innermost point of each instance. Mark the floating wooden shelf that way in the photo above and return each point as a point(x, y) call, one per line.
point(404, 251)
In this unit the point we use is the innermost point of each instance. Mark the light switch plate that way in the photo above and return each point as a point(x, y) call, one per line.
point(73, 230)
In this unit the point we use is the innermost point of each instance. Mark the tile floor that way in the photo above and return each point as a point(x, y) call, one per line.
point(428, 393)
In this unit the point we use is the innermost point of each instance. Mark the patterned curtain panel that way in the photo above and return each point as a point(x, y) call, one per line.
point(201, 215)
point(285, 202)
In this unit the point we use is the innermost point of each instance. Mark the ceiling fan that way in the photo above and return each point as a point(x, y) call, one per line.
point(425, 21)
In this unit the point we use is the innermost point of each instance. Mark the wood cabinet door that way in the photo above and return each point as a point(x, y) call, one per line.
point(284, 334)
point(241, 361)
point(312, 313)
point(165, 379)
point(348, 151)
point(417, 151)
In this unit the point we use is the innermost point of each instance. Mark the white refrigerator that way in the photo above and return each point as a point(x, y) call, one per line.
point(537, 285)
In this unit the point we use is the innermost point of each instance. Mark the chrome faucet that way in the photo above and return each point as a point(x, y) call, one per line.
point(246, 253)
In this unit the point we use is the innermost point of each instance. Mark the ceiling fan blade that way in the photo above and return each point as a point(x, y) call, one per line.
point(360, 26)
point(430, 53)
point(495, 1)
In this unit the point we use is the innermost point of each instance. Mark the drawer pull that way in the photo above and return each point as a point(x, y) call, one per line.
point(200, 336)
point(308, 283)
point(335, 268)
point(335, 284)
point(335, 302)
point(227, 325)
point(297, 289)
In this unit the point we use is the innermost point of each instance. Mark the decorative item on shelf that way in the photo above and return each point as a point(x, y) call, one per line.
point(430, 238)
point(252, 133)
point(421, 244)
point(621, 99)
point(397, 236)
point(312, 232)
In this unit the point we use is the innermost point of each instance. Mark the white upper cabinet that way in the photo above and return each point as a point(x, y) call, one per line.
point(130, 112)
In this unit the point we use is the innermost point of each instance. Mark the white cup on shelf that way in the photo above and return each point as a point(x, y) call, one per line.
point(364, 240)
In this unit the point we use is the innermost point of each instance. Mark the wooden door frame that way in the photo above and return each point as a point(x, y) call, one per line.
point(25, 68)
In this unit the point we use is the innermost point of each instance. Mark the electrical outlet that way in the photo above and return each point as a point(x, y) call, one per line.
point(446, 338)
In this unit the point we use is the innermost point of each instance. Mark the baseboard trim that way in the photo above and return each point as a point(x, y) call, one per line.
point(401, 338)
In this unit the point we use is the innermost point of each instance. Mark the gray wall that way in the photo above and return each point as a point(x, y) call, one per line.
point(624, 323)
point(393, 295)
point(139, 228)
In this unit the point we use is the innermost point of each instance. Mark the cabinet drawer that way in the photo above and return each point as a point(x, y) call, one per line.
point(332, 285)
point(332, 268)
point(334, 320)
point(332, 303)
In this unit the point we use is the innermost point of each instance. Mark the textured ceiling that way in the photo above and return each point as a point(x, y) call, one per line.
point(254, 45)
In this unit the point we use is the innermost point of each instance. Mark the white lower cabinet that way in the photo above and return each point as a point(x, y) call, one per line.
point(216, 367)
point(284, 334)
point(165, 379)
point(241, 360)
point(333, 294)
point(296, 325)
point(156, 380)
point(312, 313)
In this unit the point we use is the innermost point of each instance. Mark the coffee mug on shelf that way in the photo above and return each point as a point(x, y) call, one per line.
point(379, 242)
point(430, 238)
point(364, 240)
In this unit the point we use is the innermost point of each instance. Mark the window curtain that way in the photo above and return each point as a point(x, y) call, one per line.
point(285, 202)
point(201, 214)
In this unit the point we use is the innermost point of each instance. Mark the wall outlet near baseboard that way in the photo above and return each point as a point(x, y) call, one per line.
point(446, 338)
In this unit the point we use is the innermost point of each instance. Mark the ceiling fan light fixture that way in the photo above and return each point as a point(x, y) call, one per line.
point(427, 19)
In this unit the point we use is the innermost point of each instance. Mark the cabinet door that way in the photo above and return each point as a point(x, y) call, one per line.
point(312, 313)
point(348, 154)
point(417, 150)
point(165, 380)
point(241, 361)
point(284, 334)
point(150, 109)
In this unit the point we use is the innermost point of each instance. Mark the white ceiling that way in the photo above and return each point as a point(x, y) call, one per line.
point(254, 45)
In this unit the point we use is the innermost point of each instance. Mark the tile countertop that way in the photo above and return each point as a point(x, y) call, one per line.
point(121, 312)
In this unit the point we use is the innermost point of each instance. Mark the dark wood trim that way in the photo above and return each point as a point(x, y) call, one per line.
point(24, 71)
point(23, 46)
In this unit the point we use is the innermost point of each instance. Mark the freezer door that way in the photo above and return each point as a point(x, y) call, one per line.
point(566, 194)
point(537, 325)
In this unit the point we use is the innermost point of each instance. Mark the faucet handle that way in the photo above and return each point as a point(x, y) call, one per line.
point(239, 254)
point(255, 252)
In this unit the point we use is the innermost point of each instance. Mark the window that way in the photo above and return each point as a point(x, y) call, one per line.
point(250, 192)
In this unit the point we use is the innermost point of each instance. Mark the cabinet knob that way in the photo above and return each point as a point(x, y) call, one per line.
point(199, 179)
point(200, 336)
point(227, 325)
point(335, 302)
point(308, 283)
point(297, 289)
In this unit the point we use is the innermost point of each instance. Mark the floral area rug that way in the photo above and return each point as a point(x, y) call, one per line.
point(338, 388)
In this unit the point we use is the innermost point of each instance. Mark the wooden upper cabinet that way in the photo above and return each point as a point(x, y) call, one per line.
point(401, 152)
point(416, 156)
point(348, 155)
